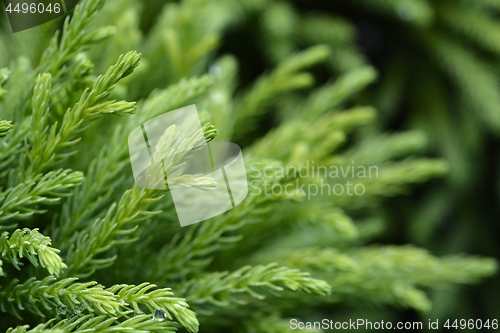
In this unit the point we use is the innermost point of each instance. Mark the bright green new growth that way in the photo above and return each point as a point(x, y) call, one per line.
point(282, 252)
point(21, 201)
point(33, 245)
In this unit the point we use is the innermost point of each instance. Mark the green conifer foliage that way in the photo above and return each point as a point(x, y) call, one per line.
point(84, 249)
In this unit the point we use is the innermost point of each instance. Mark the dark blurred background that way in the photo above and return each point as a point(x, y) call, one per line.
point(438, 63)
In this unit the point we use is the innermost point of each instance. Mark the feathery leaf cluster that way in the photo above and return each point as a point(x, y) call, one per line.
point(106, 244)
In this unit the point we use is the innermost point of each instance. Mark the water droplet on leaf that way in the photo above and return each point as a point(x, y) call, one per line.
point(61, 309)
point(159, 315)
point(79, 307)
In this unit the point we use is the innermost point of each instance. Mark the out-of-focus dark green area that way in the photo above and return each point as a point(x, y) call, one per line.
point(439, 65)
point(439, 72)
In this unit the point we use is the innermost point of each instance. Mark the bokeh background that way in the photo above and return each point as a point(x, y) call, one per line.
point(438, 64)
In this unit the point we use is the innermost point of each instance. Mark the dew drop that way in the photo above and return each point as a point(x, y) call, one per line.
point(79, 307)
point(61, 309)
point(159, 315)
point(72, 315)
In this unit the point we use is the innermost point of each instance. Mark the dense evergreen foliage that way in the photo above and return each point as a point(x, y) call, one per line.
point(407, 86)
